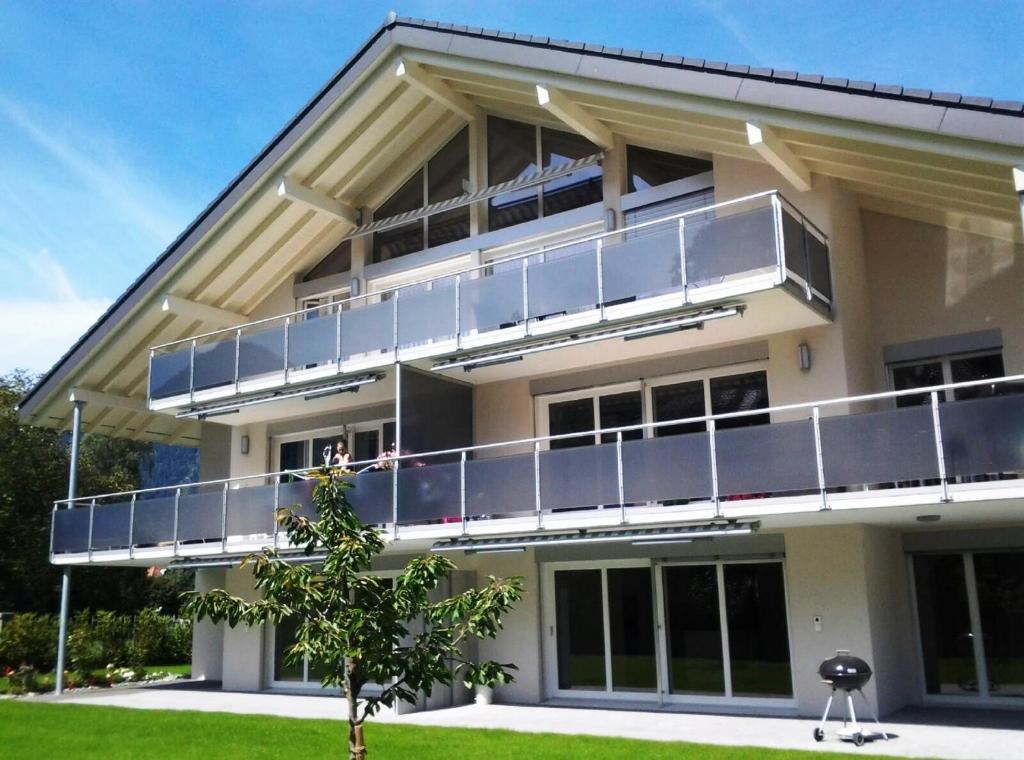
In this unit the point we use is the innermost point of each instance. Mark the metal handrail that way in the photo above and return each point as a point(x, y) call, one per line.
point(516, 257)
point(808, 405)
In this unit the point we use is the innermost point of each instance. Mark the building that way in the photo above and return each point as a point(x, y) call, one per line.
point(722, 360)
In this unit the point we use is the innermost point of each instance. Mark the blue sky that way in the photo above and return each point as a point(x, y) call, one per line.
point(119, 121)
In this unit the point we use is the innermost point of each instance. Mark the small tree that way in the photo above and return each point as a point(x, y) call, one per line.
point(355, 626)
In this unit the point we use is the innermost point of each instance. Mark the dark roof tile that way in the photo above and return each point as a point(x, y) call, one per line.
point(632, 53)
point(760, 72)
point(835, 82)
point(715, 65)
point(946, 97)
point(889, 89)
point(861, 85)
point(978, 102)
point(809, 78)
point(737, 69)
point(785, 74)
point(648, 56)
point(914, 92)
point(1014, 106)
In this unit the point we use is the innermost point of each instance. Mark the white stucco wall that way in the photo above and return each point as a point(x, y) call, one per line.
point(243, 645)
point(207, 638)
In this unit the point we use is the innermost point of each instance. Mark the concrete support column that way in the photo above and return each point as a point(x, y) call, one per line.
point(243, 654)
point(65, 581)
point(207, 637)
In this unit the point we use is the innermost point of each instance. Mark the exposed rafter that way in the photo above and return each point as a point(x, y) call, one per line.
point(208, 315)
point(555, 102)
point(314, 199)
point(769, 147)
point(1018, 179)
point(99, 398)
point(436, 89)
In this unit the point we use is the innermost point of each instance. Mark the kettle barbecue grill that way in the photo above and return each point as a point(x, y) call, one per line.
point(850, 674)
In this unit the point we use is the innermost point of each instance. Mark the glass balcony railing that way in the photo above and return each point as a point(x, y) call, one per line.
point(970, 435)
point(721, 251)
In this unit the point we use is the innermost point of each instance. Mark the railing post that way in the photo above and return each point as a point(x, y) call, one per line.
point(536, 485)
point(192, 373)
point(131, 527)
point(287, 324)
point(462, 492)
point(238, 353)
point(714, 469)
point(939, 452)
point(526, 296)
point(458, 311)
point(622, 487)
point(177, 503)
point(398, 448)
point(394, 319)
point(53, 527)
point(780, 254)
point(92, 517)
point(277, 506)
point(819, 459)
point(600, 276)
point(682, 256)
point(337, 338)
point(224, 519)
point(149, 377)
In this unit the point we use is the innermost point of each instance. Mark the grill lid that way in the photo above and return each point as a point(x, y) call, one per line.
point(844, 671)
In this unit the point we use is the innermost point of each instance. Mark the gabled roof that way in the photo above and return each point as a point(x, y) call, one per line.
point(979, 135)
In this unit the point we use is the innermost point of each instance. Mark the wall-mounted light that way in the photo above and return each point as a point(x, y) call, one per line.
point(805, 357)
point(244, 447)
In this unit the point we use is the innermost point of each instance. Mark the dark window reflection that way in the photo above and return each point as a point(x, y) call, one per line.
point(947, 642)
point(676, 402)
point(694, 630)
point(621, 410)
point(293, 455)
point(973, 368)
point(571, 417)
point(755, 602)
point(580, 188)
point(337, 261)
point(284, 637)
point(511, 154)
point(649, 168)
point(580, 629)
point(740, 393)
point(631, 618)
point(1000, 581)
point(916, 376)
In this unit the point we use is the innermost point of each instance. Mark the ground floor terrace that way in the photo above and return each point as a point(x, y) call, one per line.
point(934, 732)
point(931, 597)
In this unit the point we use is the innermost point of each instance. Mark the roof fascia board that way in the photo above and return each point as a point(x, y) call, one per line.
point(375, 50)
point(659, 86)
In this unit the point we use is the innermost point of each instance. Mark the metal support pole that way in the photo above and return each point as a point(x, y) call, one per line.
point(458, 311)
point(526, 298)
point(192, 373)
point(238, 353)
point(622, 487)
point(780, 254)
point(394, 320)
point(92, 520)
point(287, 324)
point(536, 485)
point(462, 492)
point(337, 338)
point(65, 580)
point(277, 506)
point(224, 519)
point(131, 527)
point(177, 504)
point(819, 459)
point(600, 276)
point(714, 469)
point(940, 456)
point(682, 256)
point(397, 442)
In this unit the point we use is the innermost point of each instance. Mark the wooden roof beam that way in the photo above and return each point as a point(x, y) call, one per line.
point(769, 147)
point(296, 192)
point(99, 398)
point(555, 102)
point(436, 89)
point(210, 315)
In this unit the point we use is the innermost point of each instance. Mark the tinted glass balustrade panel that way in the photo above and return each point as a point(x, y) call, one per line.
point(251, 510)
point(313, 341)
point(260, 353)
point(583, 476)
point(794, 245)
point(215, 364)
point(820, 269)
point(428, 493)
point(729, 244)
point(500, 485)
point(762, 460)
point(367, 329)
point(667, 468)
point(201, 515)
point(426, 314)
point(169, 373)
point(154, 521)
point(642, 267)
point(71, 530)
point(111, 526)
point(984, 436)
point(491, 301)
point(372, 496)
point(563, 285)
point(296, 493)
point(892, 446)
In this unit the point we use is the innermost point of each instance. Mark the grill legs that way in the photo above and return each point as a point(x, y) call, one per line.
point(851, 730)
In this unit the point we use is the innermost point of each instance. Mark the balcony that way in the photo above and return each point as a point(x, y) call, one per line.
point(966, 445)
point(627, 278)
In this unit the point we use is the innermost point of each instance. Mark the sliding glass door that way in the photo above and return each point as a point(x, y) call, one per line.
point(970, 612)
point(684, 632)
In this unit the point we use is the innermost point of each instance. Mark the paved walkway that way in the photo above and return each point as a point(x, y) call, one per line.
point(936, 733)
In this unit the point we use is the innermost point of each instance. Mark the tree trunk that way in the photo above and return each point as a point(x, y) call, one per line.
point(356, 747)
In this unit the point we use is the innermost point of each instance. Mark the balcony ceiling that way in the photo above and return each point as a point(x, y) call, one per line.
point(368, 129)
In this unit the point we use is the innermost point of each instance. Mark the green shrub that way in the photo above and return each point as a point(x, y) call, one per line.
point(160, 639)
point(98, 639)
point(24, 680)
point(29, 639)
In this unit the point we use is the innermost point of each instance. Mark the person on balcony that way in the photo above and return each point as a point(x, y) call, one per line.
point(341, 456)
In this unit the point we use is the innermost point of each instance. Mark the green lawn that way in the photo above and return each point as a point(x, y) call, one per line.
point(34, 730)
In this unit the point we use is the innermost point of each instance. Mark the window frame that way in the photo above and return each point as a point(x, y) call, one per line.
point(946, 363)
point(347, 431)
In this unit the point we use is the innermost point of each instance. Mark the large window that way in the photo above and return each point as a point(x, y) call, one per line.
point(365, 442)
point(440, 179)
point(941, 370)
point(724, 624)
point(649, 168)
point(516, 150)
point(715, 394)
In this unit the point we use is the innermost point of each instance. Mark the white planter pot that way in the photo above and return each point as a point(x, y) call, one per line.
point(484, 695)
